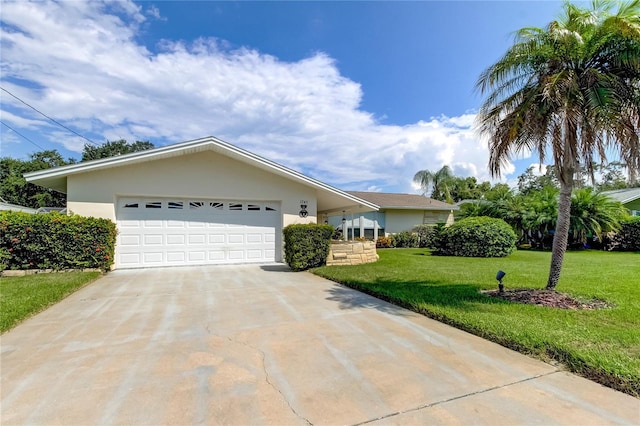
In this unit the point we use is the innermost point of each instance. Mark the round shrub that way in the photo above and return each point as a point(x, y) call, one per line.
point(477, 237)
point(404, 239)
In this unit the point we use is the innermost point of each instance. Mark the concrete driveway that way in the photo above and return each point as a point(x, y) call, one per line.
point(261, 345)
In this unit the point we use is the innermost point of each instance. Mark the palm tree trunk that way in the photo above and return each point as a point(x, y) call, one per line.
point(561, 236)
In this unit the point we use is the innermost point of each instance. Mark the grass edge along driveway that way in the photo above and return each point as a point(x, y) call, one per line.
point(602, 345)
point(23, 297)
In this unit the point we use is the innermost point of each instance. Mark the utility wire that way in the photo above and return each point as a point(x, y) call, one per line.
point(26, 138)
point(55, 121)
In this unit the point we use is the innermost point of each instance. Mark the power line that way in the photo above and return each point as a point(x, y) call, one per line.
point(52, 119)
point(26, 138)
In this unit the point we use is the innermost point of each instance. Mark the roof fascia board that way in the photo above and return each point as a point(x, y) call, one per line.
point(148, 155)
point(383, 207)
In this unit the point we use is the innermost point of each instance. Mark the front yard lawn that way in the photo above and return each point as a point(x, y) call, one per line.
point(22, 297)
point(602, 344)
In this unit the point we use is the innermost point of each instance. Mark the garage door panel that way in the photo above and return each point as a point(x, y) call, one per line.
point(130, 259)
point(176, 239)
point(130, 240)
point(129, 224)
point(236, 254)
point(217, 255)
point(236, 239)
point(196, 239)
point(150, 224)
point(176, 256)
point(254, 238)
point(254, 254)
point(153, 240)
point(175, 224)
point(156, 232)
point(151, 257)
point(195, 225)
point(197, 256)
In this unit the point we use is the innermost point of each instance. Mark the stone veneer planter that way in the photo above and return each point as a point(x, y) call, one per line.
point(352, 253)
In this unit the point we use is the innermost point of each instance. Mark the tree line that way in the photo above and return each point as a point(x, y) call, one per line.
point(15, 189)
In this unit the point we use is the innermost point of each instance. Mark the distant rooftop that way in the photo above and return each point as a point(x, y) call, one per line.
point(623, 195)
point(403, 201)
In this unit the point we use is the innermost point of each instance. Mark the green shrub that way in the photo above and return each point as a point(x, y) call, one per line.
point(427, 235)
point(306, 246)
point(477, 237)
point(404, 239)
point(628, 237)
point(56, 241)
point(384, 242)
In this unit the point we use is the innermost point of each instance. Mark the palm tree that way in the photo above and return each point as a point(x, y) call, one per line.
point(436, 183)
point(571, 88)
point(594, 213)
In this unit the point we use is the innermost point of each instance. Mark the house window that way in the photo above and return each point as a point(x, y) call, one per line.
point(153, 205)
point(194, 205)
point(216, 206)
point(235, 206)
point(253, 207)
point(176, 205)
point(131, 206)
point(270, 209)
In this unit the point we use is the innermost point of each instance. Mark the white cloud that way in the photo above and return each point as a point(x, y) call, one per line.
point(89, 71)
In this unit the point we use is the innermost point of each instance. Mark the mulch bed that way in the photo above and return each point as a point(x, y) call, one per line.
point(548, 298)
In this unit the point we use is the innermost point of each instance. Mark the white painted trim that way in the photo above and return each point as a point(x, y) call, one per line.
point(182, 148)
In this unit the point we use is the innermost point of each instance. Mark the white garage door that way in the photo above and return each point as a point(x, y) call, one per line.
point(170, 232)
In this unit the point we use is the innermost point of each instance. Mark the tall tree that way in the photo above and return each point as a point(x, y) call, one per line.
point(528, 182)
point(15, 189)
point(573, 88)
point(113, 148)
point(437, 184)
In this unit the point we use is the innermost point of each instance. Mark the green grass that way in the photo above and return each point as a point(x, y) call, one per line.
point(22, 297)
point(603, 345)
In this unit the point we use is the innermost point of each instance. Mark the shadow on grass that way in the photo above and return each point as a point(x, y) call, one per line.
point(349, 298)
point(410, 295)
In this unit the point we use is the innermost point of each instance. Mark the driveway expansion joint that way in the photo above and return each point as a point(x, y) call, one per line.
point(444, 401)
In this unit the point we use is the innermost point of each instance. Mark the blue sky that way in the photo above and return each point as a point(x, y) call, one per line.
point(358, 94)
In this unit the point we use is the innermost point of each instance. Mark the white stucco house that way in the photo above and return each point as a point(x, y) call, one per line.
point(396, 213)
point(197, 202)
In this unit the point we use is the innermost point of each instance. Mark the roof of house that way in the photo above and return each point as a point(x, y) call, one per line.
point(16, 208)
point(403, 201)
point(330, 197)
point(623, 195)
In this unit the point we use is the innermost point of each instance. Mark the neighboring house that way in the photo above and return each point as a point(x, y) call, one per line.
point(14, 207)
point(629, 197)
point(197, 202)
point(397, 213)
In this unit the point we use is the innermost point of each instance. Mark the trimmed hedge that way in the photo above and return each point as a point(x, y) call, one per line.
point(55, 241)
point(306, 245)
point(628, 237)
point(477, 237)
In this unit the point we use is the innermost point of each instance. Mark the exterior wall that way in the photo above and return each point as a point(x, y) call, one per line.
point(352, 253)
point(402, 220)
point(199, 175)
point(634, 206)
point(435, 217)
point(394, 221)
